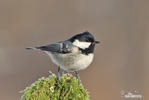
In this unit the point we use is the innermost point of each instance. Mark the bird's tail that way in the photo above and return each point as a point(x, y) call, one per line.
point(31, 48)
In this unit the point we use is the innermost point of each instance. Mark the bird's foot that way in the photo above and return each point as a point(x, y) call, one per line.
point(58, 77)
point(78, 77)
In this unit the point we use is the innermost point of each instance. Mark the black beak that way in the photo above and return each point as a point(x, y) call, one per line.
point(97, 42)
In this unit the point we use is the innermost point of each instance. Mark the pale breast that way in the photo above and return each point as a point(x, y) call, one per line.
point(83, 61)
point(71, 62)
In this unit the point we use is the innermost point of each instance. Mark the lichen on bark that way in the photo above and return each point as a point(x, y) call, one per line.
point(67, 88)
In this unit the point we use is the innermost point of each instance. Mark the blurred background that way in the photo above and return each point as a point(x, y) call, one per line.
point(121, 60)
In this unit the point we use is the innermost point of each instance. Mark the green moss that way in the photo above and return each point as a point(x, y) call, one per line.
point(47, 89)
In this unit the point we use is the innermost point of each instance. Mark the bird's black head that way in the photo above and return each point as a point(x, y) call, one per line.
point(84, 37)
point(85, 41)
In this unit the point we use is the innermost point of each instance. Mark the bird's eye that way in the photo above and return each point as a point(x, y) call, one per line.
point(88, 40)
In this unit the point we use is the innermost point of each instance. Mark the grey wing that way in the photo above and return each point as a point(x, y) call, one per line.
point(59, 47)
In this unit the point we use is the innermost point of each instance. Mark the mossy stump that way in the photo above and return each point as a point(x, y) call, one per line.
point(48, 89)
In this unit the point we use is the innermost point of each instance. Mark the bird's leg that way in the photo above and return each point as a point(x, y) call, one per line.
point(58, 74)
point(78, 76)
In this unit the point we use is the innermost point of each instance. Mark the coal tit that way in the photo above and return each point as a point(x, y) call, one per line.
point(73, 54)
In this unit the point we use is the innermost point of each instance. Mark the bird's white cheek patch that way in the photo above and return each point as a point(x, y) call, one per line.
point(82, 45)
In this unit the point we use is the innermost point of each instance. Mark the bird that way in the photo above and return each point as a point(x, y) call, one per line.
point(73, 54)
